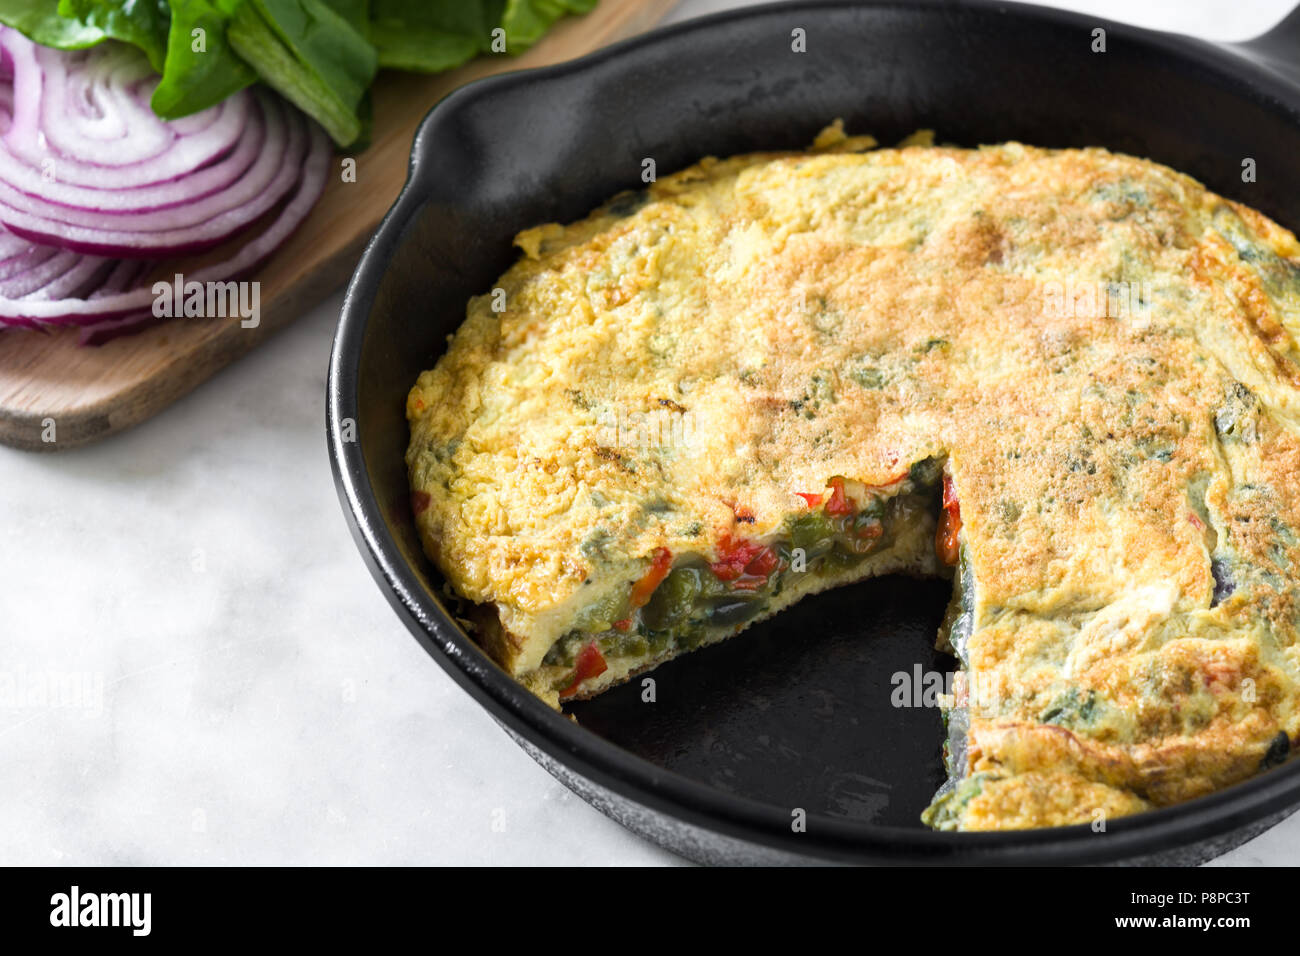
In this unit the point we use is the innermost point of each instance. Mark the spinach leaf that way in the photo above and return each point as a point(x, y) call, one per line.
point(469, 19)
point(40, 22)
point(311, 55)
point(435, 35)
point(141, 23)
point(202, 68)
point(334, 55)
point(428, 35)
point(526, 20)
point(356, 12)
point(401, 47)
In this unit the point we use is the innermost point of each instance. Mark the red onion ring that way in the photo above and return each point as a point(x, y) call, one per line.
point(126, 273)
point(94, 188)
point(121, 305)
point(38, 276)
point(177, 229)
point(79, 280)
point(101, 161)
point(90, 110)
point(30, 258)
point(31, 191)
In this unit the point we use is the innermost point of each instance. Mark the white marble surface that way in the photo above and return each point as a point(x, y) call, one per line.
point(195, 666)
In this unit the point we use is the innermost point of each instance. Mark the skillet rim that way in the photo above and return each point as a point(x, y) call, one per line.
point(634, 778)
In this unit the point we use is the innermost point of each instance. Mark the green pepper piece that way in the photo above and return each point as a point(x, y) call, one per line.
point(674, 599)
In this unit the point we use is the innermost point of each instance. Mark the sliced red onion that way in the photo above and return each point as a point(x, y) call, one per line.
point(36, 276)
point(48, 272)
point(26, 188)
point(181, 229)
point(123, 301)
point(86, 165)
point(95, 189)
point(126, 273)
point(29, 258)
point(178, 229)
point(91, 151)
point(79, 280)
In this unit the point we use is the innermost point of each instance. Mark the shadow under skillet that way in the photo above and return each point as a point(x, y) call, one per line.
point(798, 710)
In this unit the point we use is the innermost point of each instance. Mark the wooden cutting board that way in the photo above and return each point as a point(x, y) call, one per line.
point(91, 392)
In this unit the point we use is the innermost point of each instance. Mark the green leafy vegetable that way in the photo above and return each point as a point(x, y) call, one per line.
point(430, 35)
point(141, 23)
point(526, 20)
point(322, 55)
point(202, 68)
point(40, 21)
point(331, 48)
point(426, 51)
point(311, 55)
point(356, 12)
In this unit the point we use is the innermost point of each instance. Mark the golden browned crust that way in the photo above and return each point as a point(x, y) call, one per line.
point(849, 312)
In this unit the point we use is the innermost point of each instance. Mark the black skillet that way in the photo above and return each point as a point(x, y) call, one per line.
point(795, 714)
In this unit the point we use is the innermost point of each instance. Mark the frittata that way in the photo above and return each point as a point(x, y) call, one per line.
point(1069, 379)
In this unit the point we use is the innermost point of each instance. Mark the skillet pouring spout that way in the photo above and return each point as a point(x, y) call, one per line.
point(1278, 49)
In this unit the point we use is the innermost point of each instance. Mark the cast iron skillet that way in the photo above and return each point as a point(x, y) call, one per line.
point(794, 715)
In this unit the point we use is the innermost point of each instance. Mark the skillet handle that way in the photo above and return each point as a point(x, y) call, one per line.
point(1279, 48)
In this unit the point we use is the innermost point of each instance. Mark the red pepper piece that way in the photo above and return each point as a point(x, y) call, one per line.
point(813, 500)
point(946, 545)
point(732, 558)
point(660, 565)
point(763, 563)
point(949, 493)
point(745, 564)
point(590, 663)
point(838, 504)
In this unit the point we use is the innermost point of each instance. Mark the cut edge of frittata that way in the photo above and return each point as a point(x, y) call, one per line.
point(669, 604)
